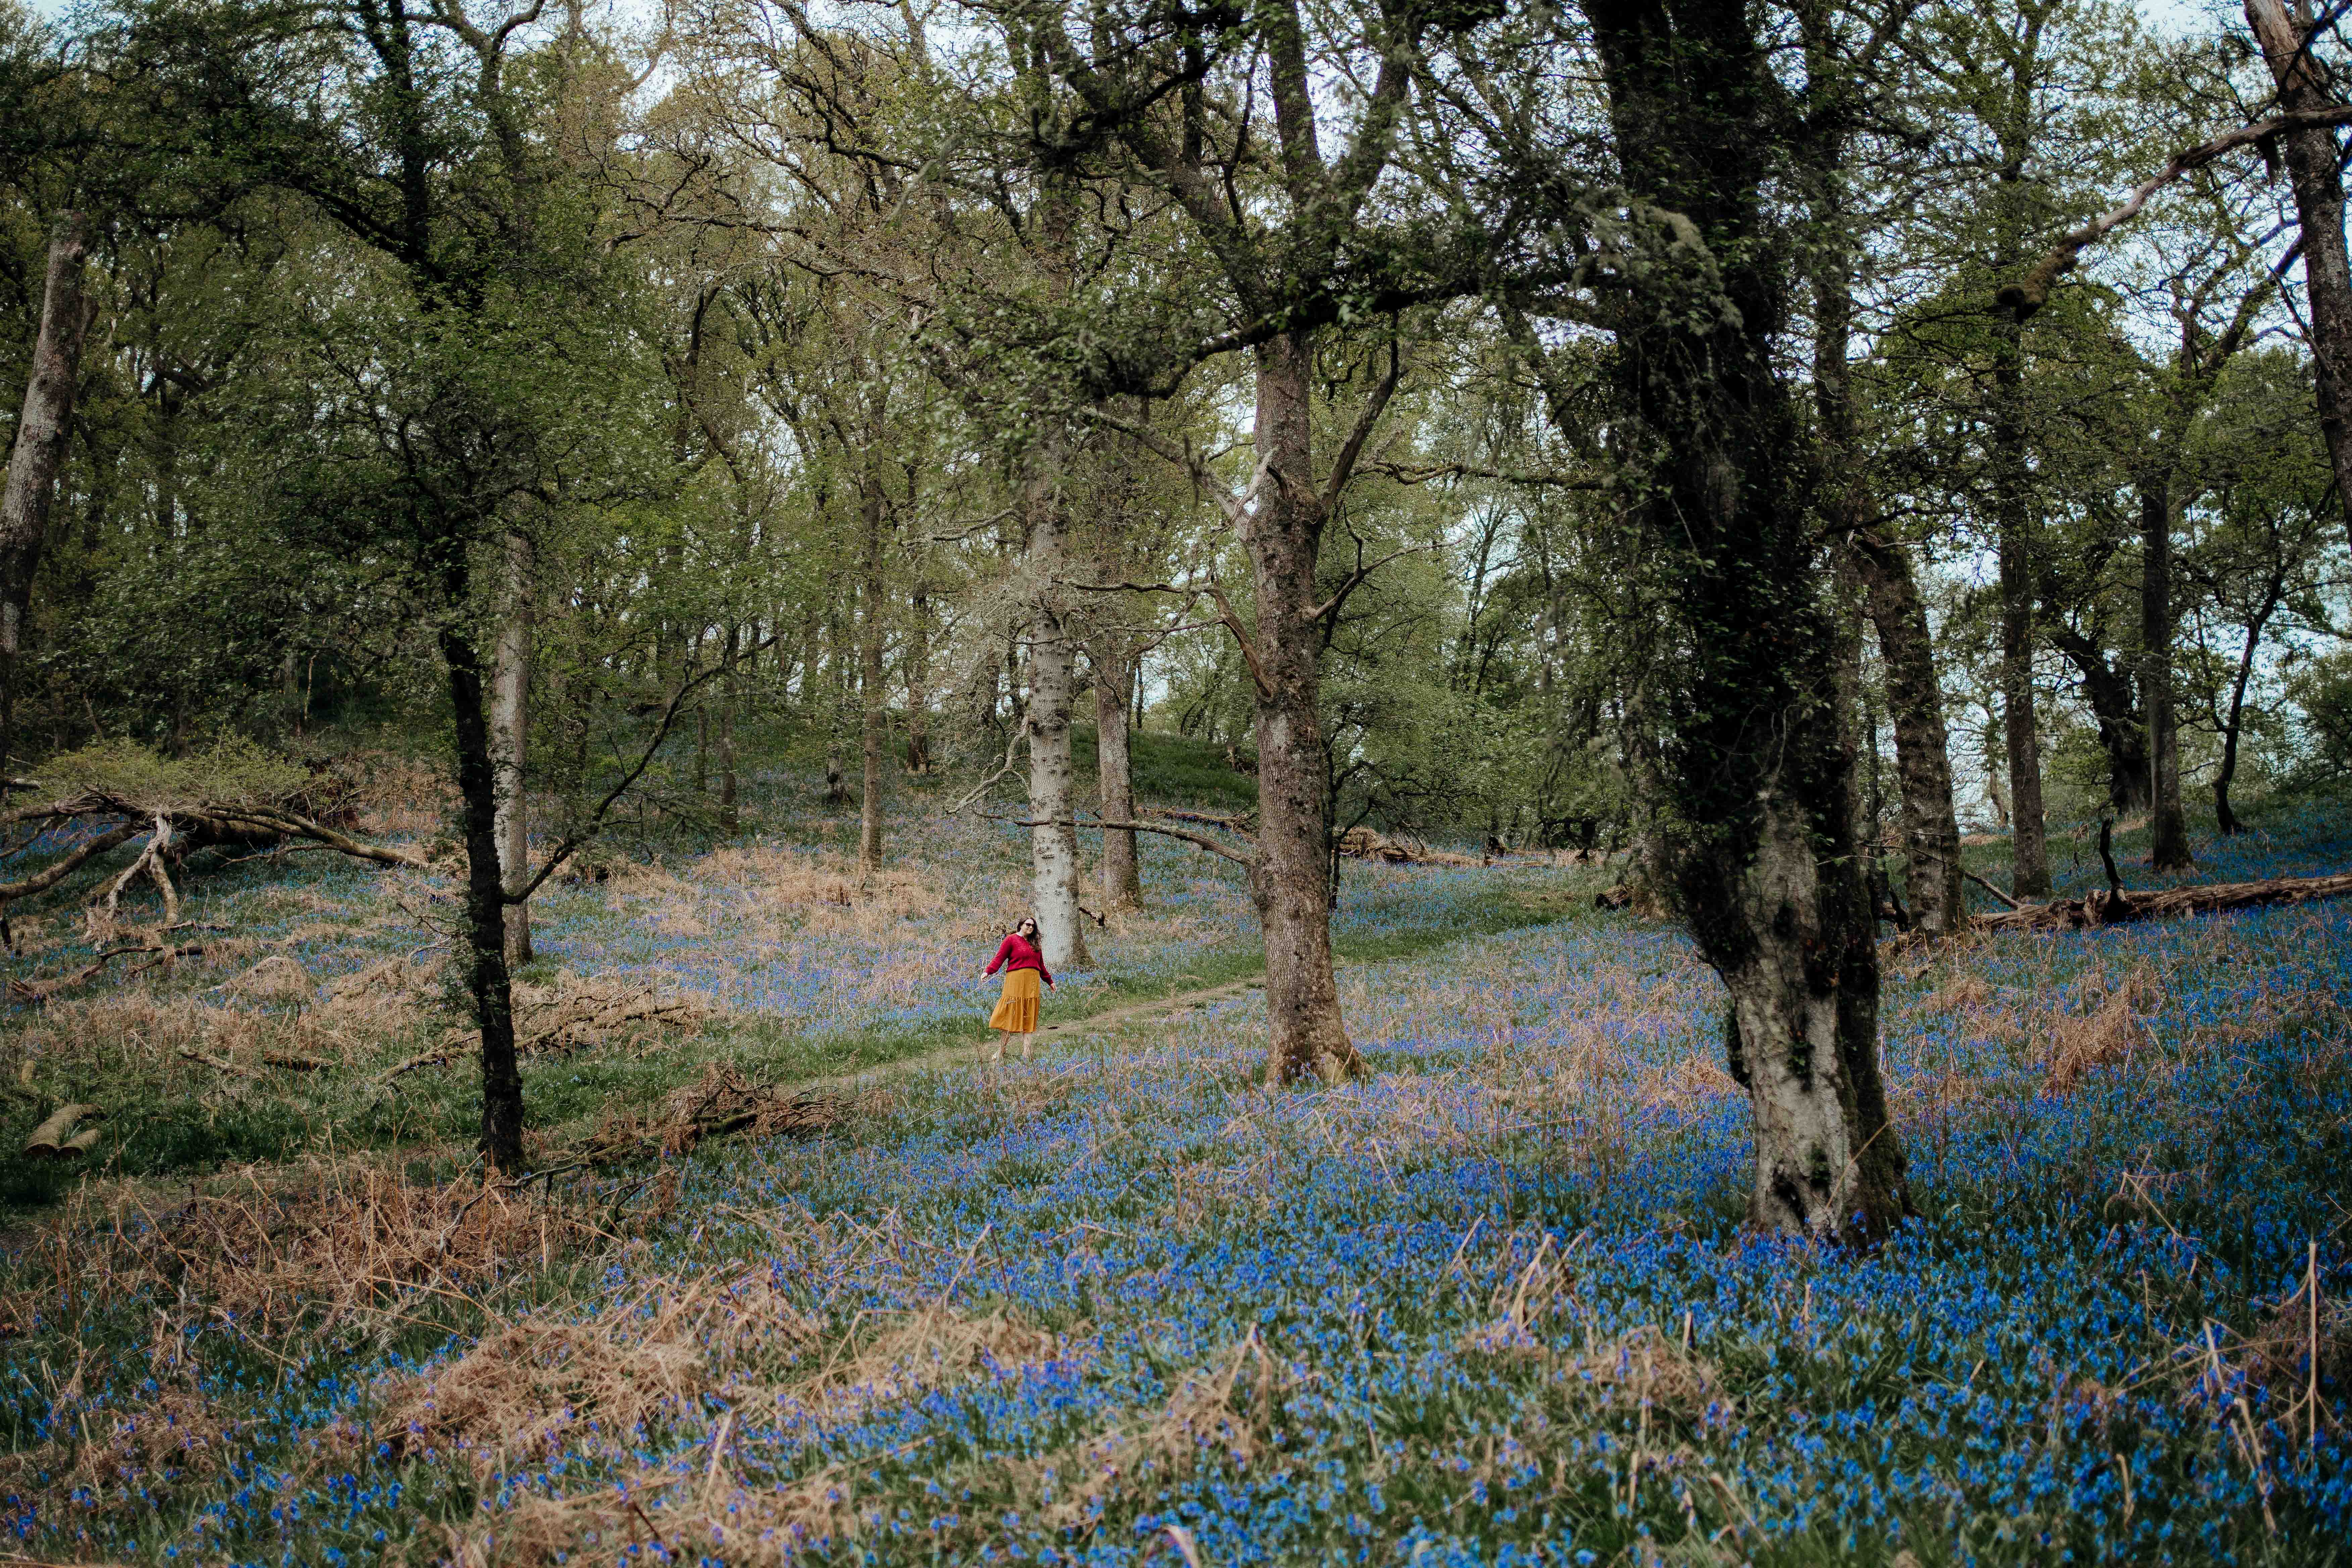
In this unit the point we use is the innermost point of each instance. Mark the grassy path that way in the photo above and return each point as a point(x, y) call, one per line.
point(1055, 1034)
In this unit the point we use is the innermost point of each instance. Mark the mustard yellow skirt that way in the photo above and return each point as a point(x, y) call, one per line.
point(1016, 1010)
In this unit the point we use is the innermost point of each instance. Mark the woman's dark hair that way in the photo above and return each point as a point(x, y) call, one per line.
point(1023, 921)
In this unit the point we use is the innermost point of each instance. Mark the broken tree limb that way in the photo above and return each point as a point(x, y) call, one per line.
point(57, 870)
point(42, 990)
point(148, 864)
point(1988, 888)
point(2103, 908)
point(1239, 822)
point(294, 824)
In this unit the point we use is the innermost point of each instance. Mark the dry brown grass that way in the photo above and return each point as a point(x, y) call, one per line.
point(328, 1242)
point(2112, 1029)
point(542, 1382)
point(393, 792)
point(571, 1380)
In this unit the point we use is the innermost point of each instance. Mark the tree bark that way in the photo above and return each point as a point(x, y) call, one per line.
point(1053, 842)
point(2317, 175)
point(729, 820)
point(43, 432)
point(510, 733)
point(872, 734)
point(918, 679)
point(2013, 524)
point(1122, 879)
point(1931, 833)
point(483, 955)
point(2122, 734)
point(1758, 765)
point(2167, 823)
point(1292, 882)
point(1923, 763)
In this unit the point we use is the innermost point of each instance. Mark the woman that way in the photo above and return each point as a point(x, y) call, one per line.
point(1016, 1010)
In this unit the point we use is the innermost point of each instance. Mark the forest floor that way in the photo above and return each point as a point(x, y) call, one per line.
point(1492, 1303)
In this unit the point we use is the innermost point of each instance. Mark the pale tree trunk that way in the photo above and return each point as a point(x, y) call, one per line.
point(872, 729)
point(42, 435)
point(1122, 879)
point(1054, 841)
point(1915, 701)
point(1292, 881)
point(510, 732)
point(2167, 823)
point(2317, 171)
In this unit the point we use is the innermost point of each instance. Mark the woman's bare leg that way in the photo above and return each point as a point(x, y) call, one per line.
point(1026, 1036)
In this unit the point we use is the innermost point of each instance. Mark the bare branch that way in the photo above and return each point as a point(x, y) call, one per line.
point(57, 870)
point(579, 835)
point(1343, 467)
point(1198, 840)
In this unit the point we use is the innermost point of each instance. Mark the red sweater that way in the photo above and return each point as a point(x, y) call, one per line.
point(1016, 953)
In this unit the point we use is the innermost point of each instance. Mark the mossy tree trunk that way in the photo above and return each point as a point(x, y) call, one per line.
point(1757, 763)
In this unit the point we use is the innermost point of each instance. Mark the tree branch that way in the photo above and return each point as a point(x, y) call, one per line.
point(2030, 293)
point(1343, 467)
point(57, 871)
point(574, 839)
point(1198, 840)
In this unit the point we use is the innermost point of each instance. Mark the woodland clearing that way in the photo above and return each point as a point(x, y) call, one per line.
point(1494, 1302)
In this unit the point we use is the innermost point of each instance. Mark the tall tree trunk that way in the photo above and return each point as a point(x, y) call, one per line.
point(2226, 819)
point(510, 733)
point(1054, 841)
point(728, 699)
point(1292, 881)
point(483, 957)
point(1923, 763)
point(1758, 772)
point(918, 679)
point(2169, 824)
point(873, 728)
point(1122, 878)
point(1931, 833)
point(43, 432)
point(2123, 734)
point(2013, 524)
point(2317, 171)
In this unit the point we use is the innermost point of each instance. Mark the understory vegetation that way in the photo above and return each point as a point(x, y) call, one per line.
point(1494, 1301)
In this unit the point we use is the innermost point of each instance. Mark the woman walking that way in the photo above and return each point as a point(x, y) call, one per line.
point(1016, 1010)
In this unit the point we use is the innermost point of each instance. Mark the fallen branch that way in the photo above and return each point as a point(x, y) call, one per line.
point(217, 1063)
point(42, 990)
point(2105, 907)
point(57, 870)
point(1239, 822)
point(1988, 888)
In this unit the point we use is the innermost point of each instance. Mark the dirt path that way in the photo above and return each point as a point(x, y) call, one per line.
point(1050, 1033)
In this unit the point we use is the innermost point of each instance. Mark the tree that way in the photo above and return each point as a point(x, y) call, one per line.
point(411, 131)
point(42, 432)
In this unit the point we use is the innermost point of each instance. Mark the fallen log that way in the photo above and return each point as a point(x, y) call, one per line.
point(2110, 907)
